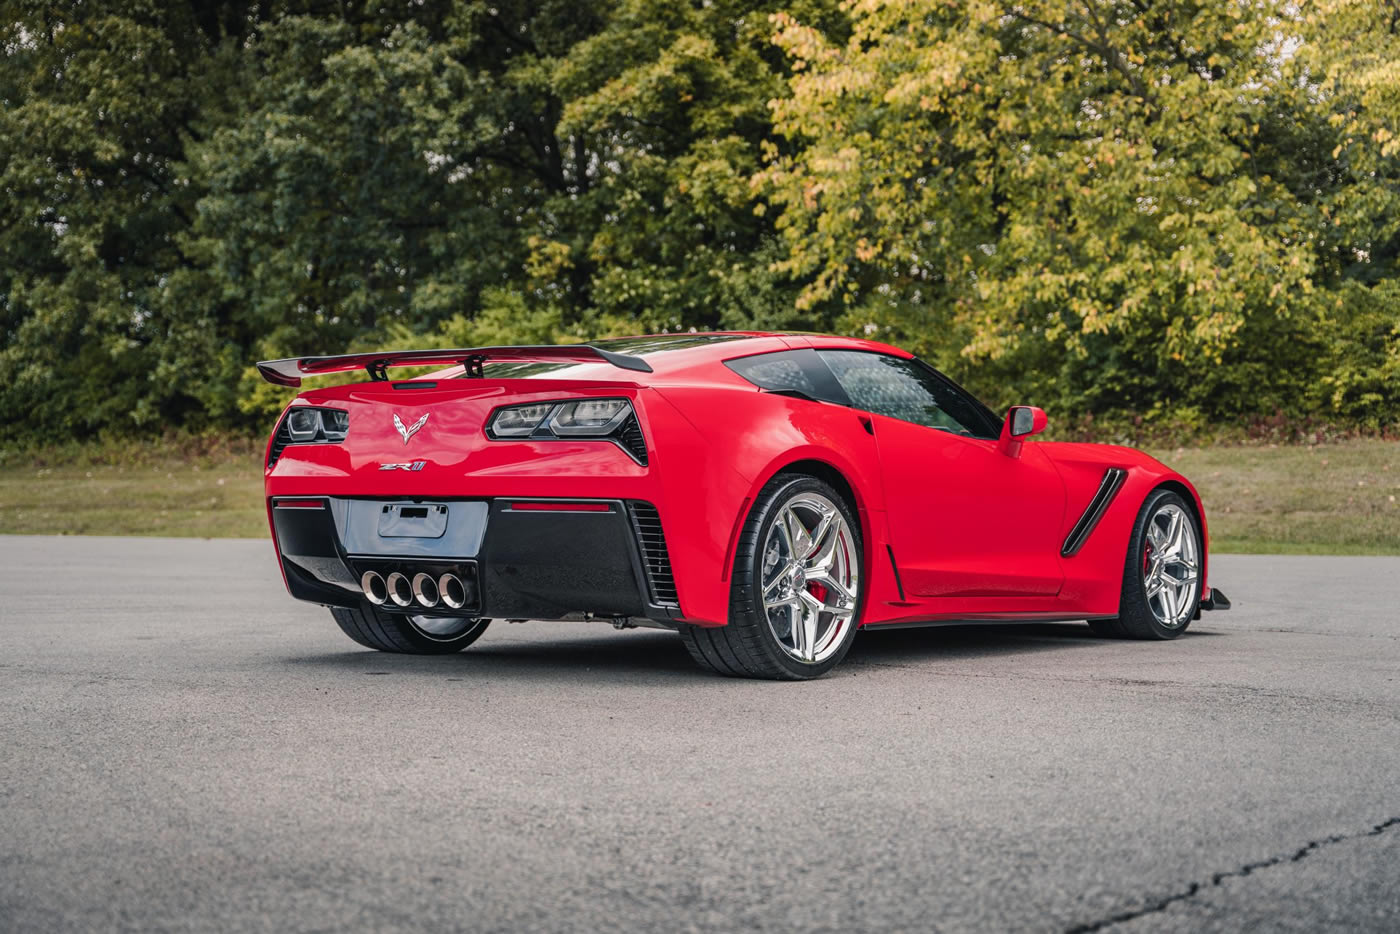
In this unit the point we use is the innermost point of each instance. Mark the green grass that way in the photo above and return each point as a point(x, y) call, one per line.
point(1336, 498)
point(180, 487)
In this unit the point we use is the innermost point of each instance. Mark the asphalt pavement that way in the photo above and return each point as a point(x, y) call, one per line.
point(184, 748)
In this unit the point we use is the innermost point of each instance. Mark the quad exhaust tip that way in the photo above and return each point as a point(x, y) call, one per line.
point(425, 589)
point(452, 591)
point(400, 590)
point(376, 591)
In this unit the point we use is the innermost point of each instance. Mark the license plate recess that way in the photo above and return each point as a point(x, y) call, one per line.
point(413, 520)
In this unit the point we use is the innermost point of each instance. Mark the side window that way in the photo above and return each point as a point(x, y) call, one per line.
point(904, 390)
point(794, 371)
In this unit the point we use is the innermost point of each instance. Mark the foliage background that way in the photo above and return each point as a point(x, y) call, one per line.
point(1174, 211)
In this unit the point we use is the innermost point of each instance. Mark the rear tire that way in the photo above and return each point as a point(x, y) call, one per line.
point(1161, 574)
point(811, 567)
point(406, 635)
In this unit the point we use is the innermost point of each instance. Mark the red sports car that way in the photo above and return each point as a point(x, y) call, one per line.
point(763, 495)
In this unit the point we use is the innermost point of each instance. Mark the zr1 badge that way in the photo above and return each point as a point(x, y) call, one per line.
point(411, 465)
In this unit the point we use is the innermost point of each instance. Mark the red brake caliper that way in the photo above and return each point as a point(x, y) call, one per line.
point(1146, 556)
point(817, 590)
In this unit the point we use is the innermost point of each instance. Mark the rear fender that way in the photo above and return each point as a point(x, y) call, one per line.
point(778, 432)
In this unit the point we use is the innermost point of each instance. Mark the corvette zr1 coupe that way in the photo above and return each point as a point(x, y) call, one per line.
point(763, 495)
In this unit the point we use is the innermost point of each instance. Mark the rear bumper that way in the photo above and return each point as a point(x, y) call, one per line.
point(520, 558)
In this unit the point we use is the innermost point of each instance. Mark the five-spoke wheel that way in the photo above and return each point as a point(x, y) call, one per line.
point(795, 599)
point(810, 578)
point(1171, 566)
point(1162, 574)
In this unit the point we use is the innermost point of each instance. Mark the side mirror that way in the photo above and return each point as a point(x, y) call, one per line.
point(1022, 421)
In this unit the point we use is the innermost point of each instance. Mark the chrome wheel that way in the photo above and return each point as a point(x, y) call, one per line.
point(1171, 565)
point(809, 577)
point(441, 628)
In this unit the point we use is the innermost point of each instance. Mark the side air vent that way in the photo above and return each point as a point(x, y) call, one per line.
point(646, 523)
point(1109, 486)
point(629, 435)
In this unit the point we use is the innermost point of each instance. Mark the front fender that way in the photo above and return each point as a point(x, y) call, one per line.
point(1094, 576)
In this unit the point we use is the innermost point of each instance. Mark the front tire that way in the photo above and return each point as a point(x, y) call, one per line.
point(795, 598)
point(408, 635)
point(1162, 574)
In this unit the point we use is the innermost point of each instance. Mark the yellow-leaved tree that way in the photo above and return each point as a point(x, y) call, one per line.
point(1106, 204)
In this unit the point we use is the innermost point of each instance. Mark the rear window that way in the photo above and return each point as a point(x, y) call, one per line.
point(776, 372)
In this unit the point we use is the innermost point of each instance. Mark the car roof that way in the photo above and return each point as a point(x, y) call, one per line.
point(684, 354)
point(685, 349)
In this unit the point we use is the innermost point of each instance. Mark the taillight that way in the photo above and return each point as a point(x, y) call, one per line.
point(604, 419)
point(305, 424)
point(595, 417)
point(519, 421)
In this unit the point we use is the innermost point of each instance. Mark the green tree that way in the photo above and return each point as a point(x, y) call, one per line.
point(1352, 54)
point(1117, 204)
point(95, 107)
point(296, 179)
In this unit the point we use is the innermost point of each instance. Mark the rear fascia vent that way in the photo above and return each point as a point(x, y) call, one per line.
point(656, 560)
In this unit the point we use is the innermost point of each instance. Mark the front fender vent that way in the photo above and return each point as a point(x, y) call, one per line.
point(656, 560)
point(1109, 486)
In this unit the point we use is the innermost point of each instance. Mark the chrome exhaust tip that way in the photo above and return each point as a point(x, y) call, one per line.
point(400, 590)
point(452, 591)
point(425, 589)
point(372, 583)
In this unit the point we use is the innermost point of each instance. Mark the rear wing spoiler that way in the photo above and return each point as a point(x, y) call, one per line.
point(289, 372)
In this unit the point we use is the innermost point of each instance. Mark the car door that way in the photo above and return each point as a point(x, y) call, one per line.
point(966, 520)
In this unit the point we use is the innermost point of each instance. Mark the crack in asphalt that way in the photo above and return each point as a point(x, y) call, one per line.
point(1195, 888)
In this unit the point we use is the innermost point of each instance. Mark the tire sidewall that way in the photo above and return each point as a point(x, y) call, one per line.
point(749, 578)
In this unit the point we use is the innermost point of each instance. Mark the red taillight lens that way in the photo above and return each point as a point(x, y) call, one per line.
point(299, 504)
point(559, 506)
